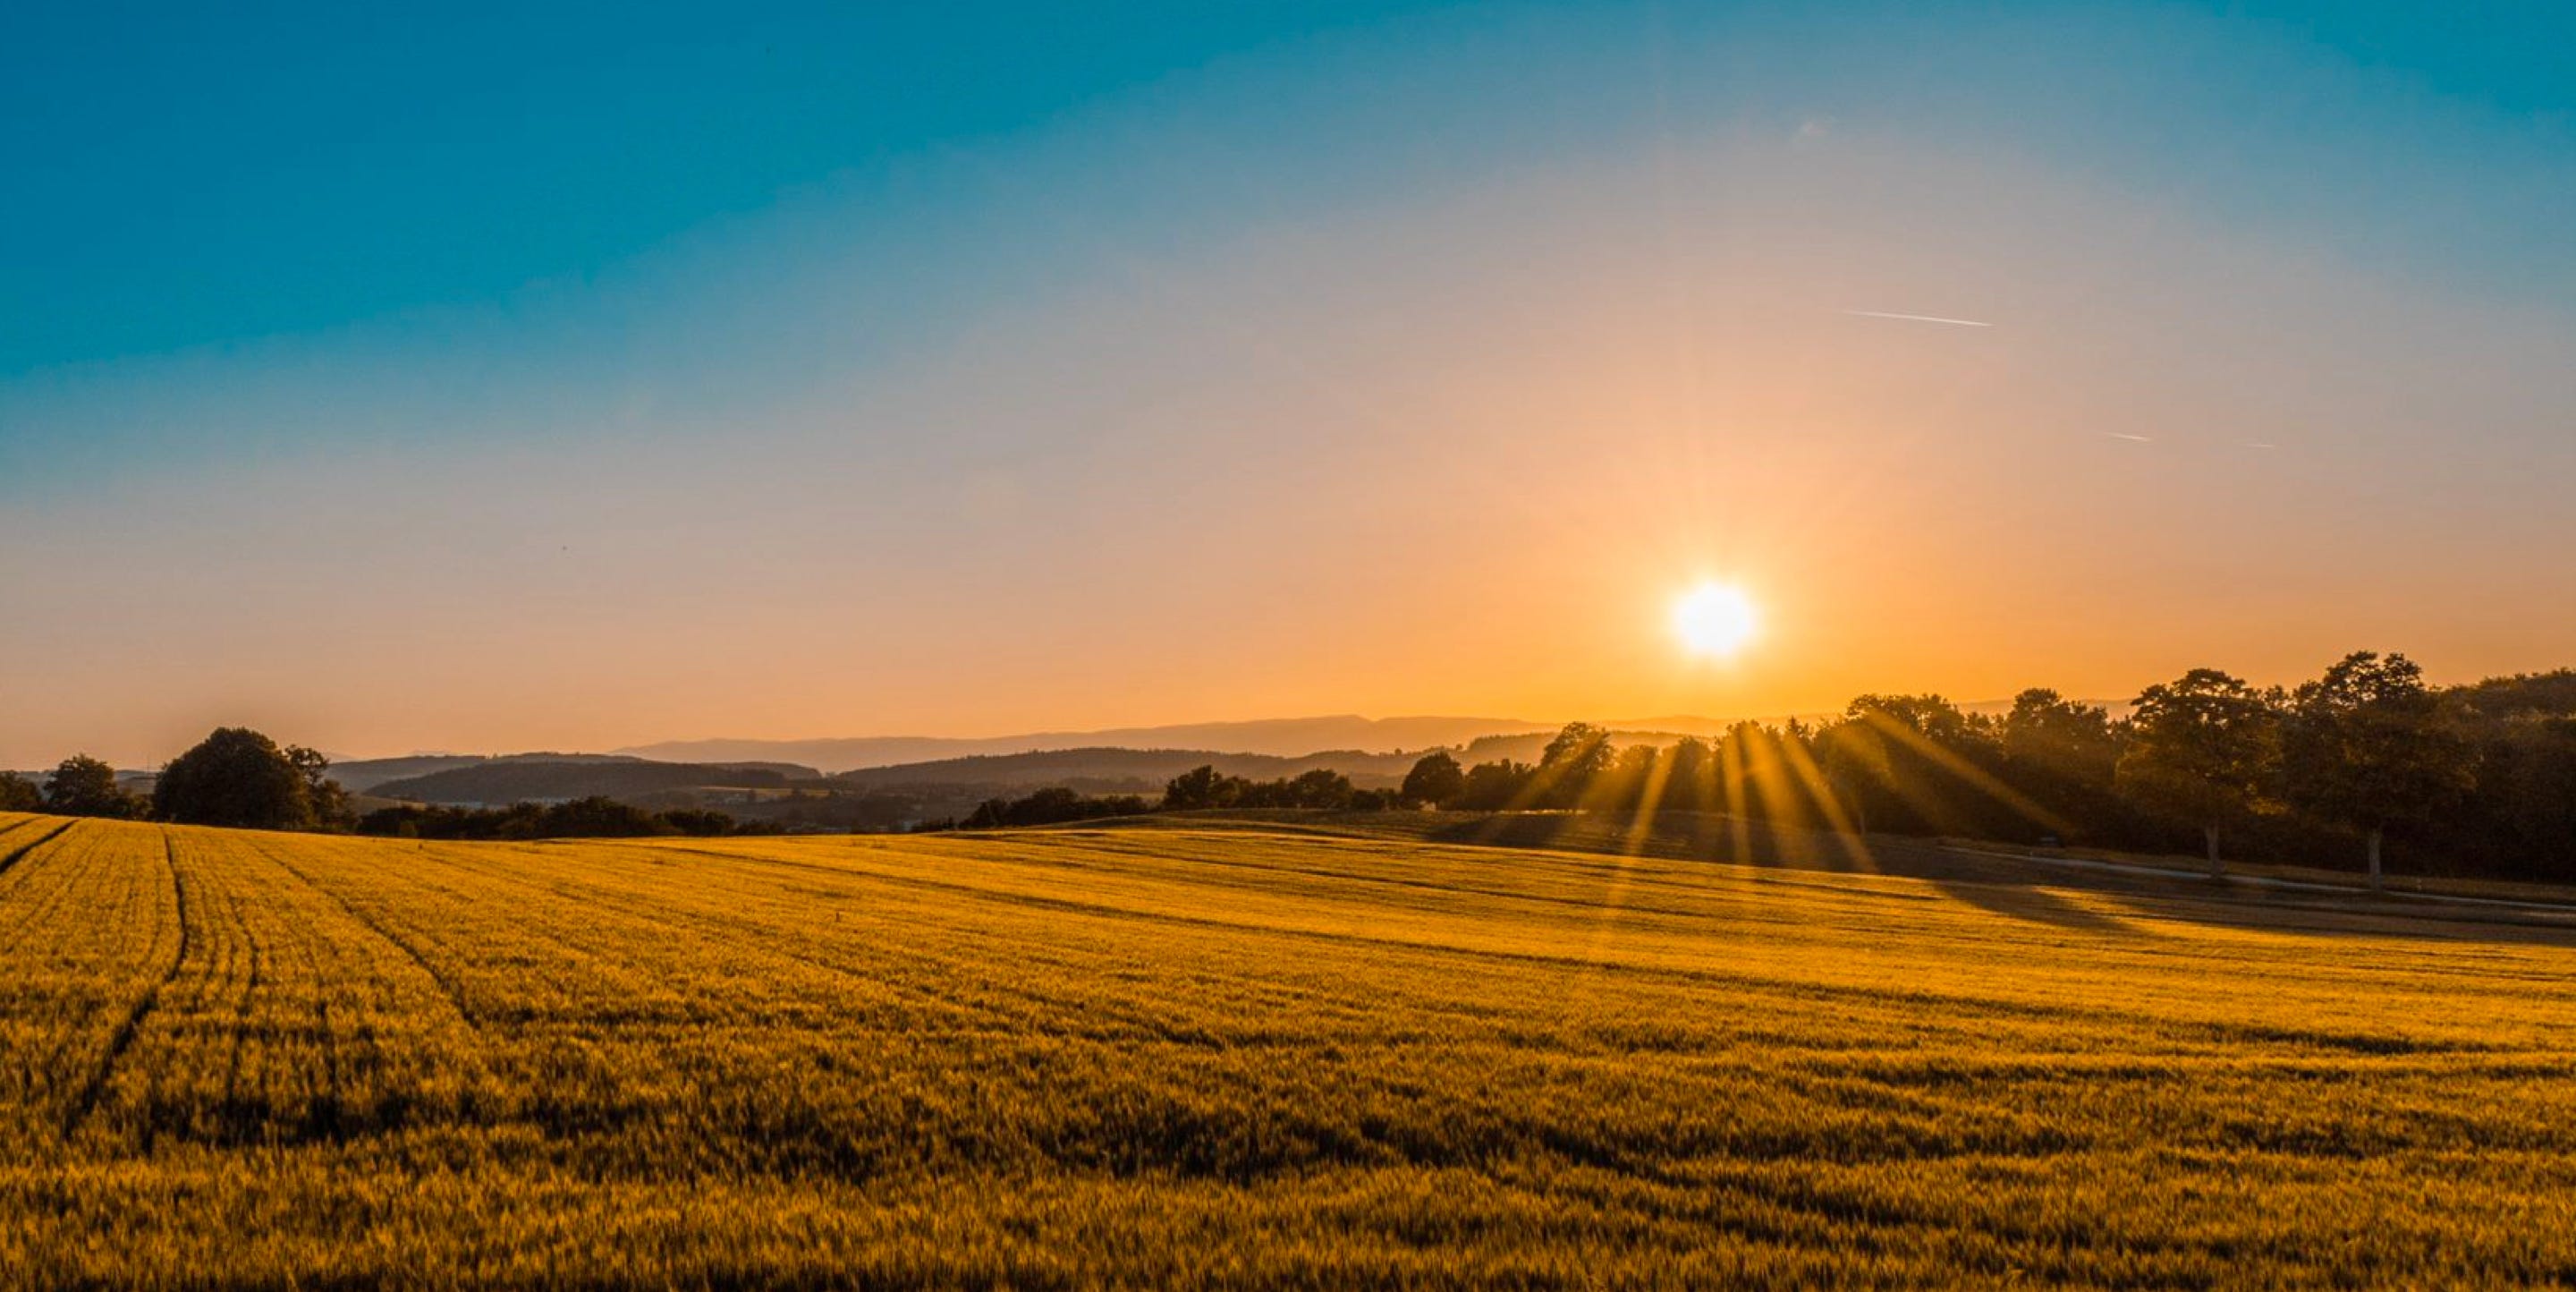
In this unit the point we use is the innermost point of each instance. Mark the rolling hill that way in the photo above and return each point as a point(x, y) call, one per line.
point(1277, 737)
point(363, 775)
point(514, 780)
point(1118, 770)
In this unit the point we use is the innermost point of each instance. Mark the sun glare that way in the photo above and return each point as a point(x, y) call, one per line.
point(1715, 620)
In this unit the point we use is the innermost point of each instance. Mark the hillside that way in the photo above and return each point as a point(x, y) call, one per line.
point(1256, 1055)
point(1275, 737)
point(363, 775)
point(1119, 770)
point(504, 781)
point(1271, 737)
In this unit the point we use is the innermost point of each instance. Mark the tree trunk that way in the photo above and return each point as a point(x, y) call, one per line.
point(2216, 870)
point(2374, 860)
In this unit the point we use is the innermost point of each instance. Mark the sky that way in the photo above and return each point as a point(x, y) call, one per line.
point(552, 378)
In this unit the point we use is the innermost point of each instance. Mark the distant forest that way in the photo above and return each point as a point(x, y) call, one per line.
point(2364, 766)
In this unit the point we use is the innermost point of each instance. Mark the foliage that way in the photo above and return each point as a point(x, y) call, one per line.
point(1052, 805)
point(1495, 786)
point(2469, 779)
point(595, 817)
point(1436, 779)
point(2046, 736)
point(1206, 787)
point(18, 794)
point(1580, 754)
point(2364, 746)
point(84, 786)
point(238, 777)
point(2200, 747)
point(1199, 787)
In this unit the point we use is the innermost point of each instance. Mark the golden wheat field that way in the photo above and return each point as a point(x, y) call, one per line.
point(1248, 1056)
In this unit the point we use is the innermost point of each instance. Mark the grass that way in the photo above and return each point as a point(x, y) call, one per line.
point(1209, 1054)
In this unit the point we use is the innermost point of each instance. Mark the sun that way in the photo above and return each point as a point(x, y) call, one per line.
point(1715, 619)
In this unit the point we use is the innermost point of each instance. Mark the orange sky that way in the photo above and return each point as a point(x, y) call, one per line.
point(1450, 451)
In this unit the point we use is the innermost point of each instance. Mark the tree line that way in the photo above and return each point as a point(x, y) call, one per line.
point(2362, 760)
point(234, 777)
point(2365, 761)
point(1200, 788)
point(593, 817)
point(240, 778)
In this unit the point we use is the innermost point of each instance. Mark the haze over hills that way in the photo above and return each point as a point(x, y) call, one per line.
point(1272, 737)
point(1277, 737)
point(365, 774)
point(1359, 746)
point(511, 780)
point(1115, 770)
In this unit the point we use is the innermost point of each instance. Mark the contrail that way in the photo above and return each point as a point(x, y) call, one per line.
point(2133, 439)
point(1916, 318)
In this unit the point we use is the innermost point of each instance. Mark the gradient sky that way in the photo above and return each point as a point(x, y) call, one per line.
point(569, 379)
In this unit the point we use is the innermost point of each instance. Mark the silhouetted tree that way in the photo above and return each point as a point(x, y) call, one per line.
point(1852, 757)
point(2199, 748)
point(326, 805)
point(704, 823)
point(2061, 739)
point(18, 794)
point(1199, 787)
point(1689, 777)
point(599, 817)
point(1053, 804)
point(2525, 807)
point(1757, 777)
point(1577, 756)
point(84, 786)
point(1918, 764)
point(1623, 785)
point(2363, 746)
point(1321, 788)
point(1493, 787)
point(1436, 779)
point(234, 777)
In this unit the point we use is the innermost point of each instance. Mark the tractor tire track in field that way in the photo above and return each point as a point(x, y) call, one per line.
point(1734, 979)
point(753, 933)
point(14, 855)
point(760, 936)
point(455, 995)
point(687, 922)
point(123, 1039)
point(22, 821)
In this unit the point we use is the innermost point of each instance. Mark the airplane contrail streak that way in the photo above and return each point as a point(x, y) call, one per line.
point(2133, 439)
point(1916, 318)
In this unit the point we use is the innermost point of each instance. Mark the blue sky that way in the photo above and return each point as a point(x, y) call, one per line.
point(213, 173)
point(525, 311)
point(191, 176)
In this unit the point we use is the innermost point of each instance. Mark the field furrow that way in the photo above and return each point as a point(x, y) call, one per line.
point(1234, 1058)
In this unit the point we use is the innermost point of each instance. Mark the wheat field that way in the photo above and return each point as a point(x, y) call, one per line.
point(1249, 1056)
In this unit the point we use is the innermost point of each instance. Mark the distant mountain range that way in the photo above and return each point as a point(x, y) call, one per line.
point(1286, 738)
point(1277, 737)
point(953, 783)
point(1114, 771)
point(1366, 749)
